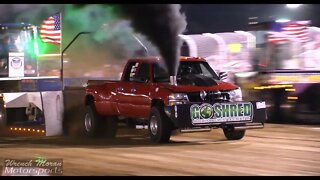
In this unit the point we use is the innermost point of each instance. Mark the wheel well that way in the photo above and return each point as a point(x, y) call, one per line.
point(89, 99)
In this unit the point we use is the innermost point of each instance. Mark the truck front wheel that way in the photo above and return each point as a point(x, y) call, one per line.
point(232, 134)
point(159, 126)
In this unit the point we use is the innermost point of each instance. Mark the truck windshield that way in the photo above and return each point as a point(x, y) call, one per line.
point(160, 74)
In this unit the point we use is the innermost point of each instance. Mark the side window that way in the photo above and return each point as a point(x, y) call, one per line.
point(159, 73)
point(205, 71)
point(131, 71)
point(143, 74)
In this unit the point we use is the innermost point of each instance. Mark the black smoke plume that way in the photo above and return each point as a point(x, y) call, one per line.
point(161, 23)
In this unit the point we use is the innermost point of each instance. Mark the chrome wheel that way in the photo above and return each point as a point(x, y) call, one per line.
point(159, 126)
point(153, 125)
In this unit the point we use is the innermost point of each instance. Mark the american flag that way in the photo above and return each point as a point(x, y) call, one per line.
point(292, 31)
point(50, 31)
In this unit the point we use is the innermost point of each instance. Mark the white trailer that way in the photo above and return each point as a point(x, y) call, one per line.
point(228, 51)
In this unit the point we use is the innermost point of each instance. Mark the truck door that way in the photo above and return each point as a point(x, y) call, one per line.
point(140, 92)
point(124, 95)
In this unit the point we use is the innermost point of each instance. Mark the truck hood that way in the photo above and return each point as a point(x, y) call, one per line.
point(198, 83)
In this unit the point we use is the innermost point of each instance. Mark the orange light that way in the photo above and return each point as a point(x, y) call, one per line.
point(292, 97)
point(11, 129)
point(291, 90)
point(33, 130)
point(38, 130)
point(29, 129)
point(15, 129)
point(43, 131)
point(24, 129)
point(19, 129)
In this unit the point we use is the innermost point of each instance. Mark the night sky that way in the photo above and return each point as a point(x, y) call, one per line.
point(215, 18)
point(201, 18)
point(115, 46)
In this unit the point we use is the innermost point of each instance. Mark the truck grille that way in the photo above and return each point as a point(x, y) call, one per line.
point(211, 97)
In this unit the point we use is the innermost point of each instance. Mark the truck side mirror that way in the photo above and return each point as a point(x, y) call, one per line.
point(223, 75)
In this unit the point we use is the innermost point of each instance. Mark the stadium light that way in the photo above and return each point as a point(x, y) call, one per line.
point(282, 20)
point(293, 6)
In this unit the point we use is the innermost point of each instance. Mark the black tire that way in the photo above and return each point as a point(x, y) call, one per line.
point(159, 126)
point(92, 122)
point(231, 134)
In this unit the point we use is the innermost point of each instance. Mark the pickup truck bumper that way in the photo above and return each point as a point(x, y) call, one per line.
point(217, 114)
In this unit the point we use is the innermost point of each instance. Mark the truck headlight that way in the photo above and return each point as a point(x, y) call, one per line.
point(178, 98)
point(235, 95)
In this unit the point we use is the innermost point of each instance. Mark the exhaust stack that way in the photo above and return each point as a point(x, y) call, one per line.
point(173, 80)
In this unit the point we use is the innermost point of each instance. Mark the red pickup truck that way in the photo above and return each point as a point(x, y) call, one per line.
point(195, 100)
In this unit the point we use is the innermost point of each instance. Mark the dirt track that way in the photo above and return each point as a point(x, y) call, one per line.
point(274, 150)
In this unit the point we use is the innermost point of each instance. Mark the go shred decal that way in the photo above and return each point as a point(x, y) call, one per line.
point(221, 112)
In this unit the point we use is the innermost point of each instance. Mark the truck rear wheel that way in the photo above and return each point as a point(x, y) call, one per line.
point(232, 134)
point(92, 122)
point(159, 126)
point(95, 125)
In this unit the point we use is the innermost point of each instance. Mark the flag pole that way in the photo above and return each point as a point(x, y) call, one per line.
point(61, 70)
